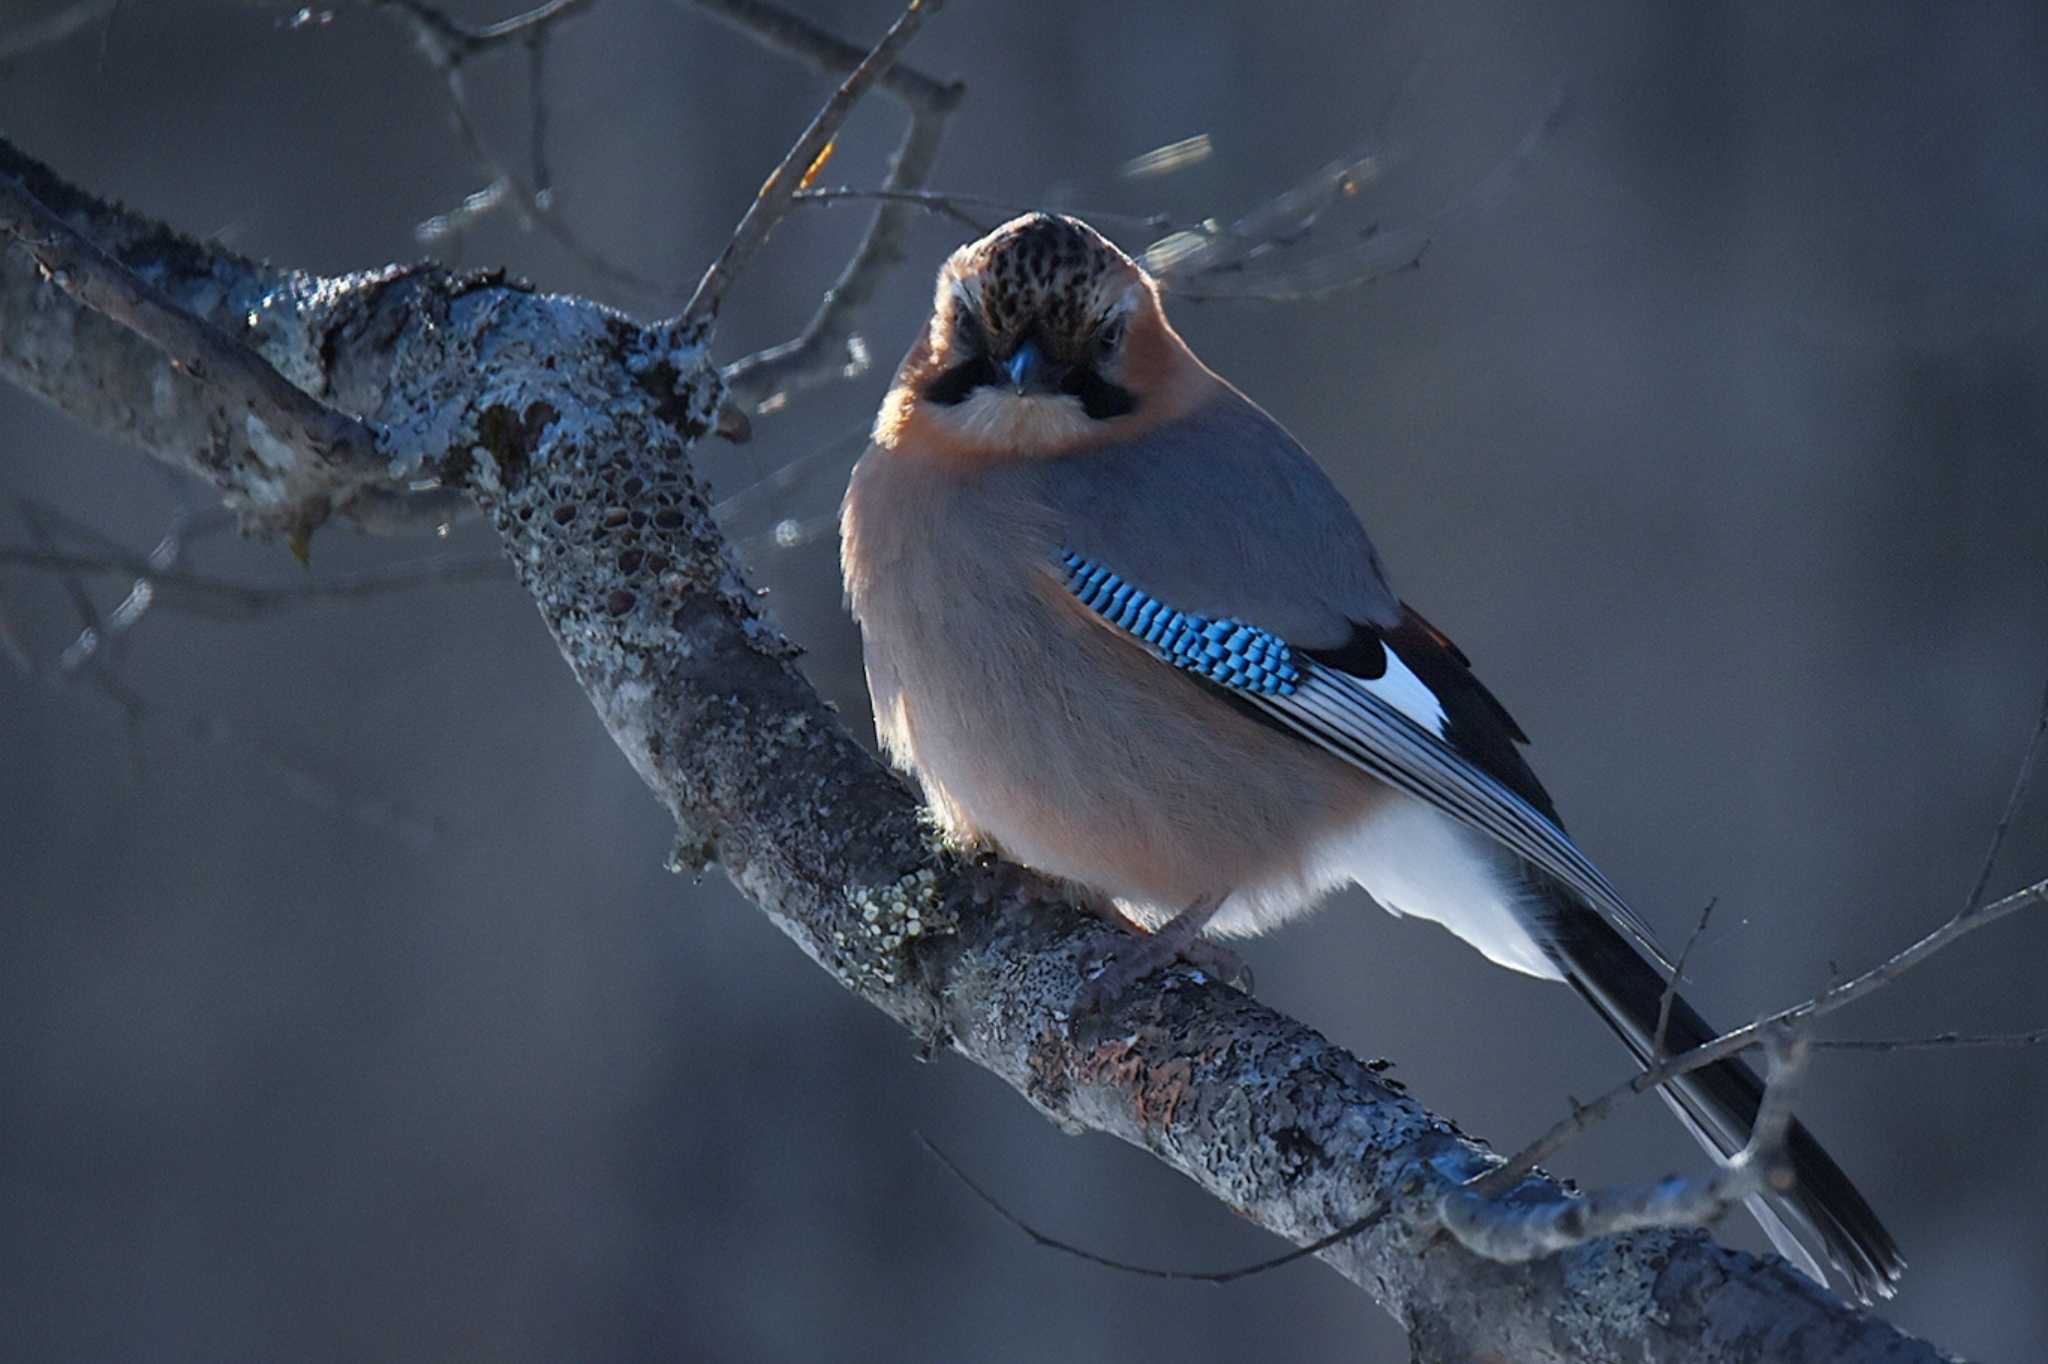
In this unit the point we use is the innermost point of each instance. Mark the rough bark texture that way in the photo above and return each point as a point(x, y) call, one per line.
point(571, 427)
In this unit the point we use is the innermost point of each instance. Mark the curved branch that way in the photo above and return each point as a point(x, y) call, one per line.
point(197, 355)
point(284, 427)
point(571, 427)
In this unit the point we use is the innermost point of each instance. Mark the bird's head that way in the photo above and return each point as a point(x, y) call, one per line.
point(1044, 338)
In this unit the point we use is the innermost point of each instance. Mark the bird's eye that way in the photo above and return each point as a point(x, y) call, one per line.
point(968, 335)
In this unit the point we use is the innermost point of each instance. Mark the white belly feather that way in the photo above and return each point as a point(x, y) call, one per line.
point(1413, 860)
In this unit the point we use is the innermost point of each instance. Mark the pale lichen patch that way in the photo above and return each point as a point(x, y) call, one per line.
point(891, 916)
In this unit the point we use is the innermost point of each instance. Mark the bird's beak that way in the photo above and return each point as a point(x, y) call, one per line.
point(1030, 371)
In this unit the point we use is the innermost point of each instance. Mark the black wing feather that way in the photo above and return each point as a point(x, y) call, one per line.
point(1476, 724)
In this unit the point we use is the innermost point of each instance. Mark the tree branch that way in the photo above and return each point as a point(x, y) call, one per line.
point(571, 426)
point(284, 428)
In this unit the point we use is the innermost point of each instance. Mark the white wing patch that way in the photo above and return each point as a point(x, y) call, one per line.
point(1404, 691)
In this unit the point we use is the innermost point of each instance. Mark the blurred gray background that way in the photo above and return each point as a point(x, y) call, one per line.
point(349, 1013)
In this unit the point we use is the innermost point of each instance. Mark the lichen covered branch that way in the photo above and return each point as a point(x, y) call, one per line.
point(314, 451)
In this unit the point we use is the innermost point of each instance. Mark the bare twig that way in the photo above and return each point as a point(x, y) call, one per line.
point(1678, 974)
point(795, 36)
point(2014, 799)
point(828, 347)
point(537, 118)
point(456, 43)
point(294, 775)
point(446, 46)
point(1504, 1177)
point(1974, 915)
point(761, 514)
point(224, 599)
point(83, 648)
point(279, 412)
point(83, 654)
point(1252, 258)
point(954, 204)
point(1938, 1041)
point(771, 202)
point(1344, 1233)
point(53, 28)
point(158, 583)
point(1514, 1232)
point(931, 201)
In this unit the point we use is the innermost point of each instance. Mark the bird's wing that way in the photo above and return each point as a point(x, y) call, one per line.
point(1398, 702)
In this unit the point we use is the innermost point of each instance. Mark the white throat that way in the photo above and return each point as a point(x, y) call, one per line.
point(1017, 422)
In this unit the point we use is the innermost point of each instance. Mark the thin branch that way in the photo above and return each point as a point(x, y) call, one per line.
point(1974, 915)
point(954, 204)
point(54, 28)
point(1504, 1177)
point(459, 42)
point(2014, 799)
point(791, 34)
point(302, 782)
point(1515, 1232)
point(83, 655)
point(1939, 1041)
point(157, 583)
point(1255, 257)
point(828, 347)
point(1316, 1247)
point(537, 118)
point(931, 201)
point(224, 599)
point(82, 649)
point(446, 46)
point(1678, 974)
point(345, 445)
point(771, 202)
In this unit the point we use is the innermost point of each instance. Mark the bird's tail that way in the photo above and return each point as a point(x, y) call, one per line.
point(1718, 1104)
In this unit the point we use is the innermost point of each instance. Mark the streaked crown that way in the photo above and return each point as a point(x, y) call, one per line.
point(1053, 276)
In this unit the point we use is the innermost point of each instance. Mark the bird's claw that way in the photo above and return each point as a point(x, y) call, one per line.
point(1111, 979)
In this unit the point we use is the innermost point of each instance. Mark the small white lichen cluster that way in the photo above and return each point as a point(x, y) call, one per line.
point(892, 915)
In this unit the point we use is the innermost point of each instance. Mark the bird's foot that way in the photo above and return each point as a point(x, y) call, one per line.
point(1178, 939)
point(1212, 958)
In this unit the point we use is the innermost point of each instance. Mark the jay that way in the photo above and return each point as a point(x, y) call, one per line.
point(1120, 626)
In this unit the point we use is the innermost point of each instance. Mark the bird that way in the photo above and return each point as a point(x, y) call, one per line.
point(1123, 629)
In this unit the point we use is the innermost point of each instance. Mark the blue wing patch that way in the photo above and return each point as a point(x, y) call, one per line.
point(1226, 652)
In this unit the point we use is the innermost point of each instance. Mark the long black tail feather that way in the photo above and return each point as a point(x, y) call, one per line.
point(1719, 1103)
